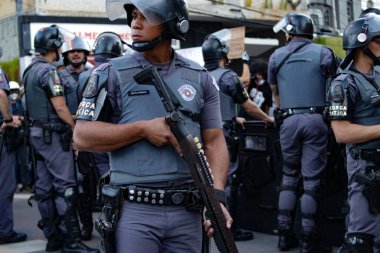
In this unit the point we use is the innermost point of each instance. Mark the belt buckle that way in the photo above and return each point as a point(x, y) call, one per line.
point(178, 198)
point(312, 109)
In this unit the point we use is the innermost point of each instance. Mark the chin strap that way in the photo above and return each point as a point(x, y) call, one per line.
point(368, 52)
point(143, 46)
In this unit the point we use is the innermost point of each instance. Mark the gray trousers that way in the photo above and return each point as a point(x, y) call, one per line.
point(54, 174)
point(303, 139)
point(146, 228)
point(7, 189)
point(360, 220)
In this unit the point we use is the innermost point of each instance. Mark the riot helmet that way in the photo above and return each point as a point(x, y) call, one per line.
point(173, 14)
point(358, 34)
point(295, 24)
point(368, 11)
point(108, 43)
point(75, 44)
point(47, 39)
point(215, 47)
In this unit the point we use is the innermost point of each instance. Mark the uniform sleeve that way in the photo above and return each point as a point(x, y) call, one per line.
point(328, 62)
point(100, 96)
point(231, 85)
point(210, 116)
point(49, 80)
point(341, 97)
point(272, 79)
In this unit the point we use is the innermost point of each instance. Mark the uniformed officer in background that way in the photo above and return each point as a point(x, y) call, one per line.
point(354, 111)
point(75, 52)
point(24, 173)
point(215, 49)
point(297, 73)
point(145, 157)
point(107, 45)
point(7, 173)
point(50, 136)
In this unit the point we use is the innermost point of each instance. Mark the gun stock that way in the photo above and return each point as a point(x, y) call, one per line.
point(195, 158)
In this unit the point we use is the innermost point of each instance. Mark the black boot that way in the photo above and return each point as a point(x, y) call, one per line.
point(310, 242)
point(357, 243)
point(287, 240)
point(72, 243)
point(55, 242)
point(85, 216)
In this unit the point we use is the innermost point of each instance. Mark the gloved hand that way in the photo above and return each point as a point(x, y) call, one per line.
point(245, 57)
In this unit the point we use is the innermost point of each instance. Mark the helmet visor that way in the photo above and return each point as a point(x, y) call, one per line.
point(155, 11)
point(224, 36)
point(280, 25)
point(64, 34)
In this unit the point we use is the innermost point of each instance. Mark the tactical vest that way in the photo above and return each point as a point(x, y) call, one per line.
point(141, 161)
point(364, 112)
point(38, 104)
point(300, 81)
point(71, 86)
point(227, 103)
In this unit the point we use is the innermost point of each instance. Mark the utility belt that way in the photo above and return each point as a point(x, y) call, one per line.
point(281, 114)
point(64, 131)
point(364, 154)
point(189, 198)
point(114, 196)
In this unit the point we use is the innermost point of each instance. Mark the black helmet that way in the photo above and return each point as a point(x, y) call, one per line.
point(360, 32)
point(215, 47)
point(295, 24)
point(108, 43)
point(173, 14)
point(47, 39)
point(368, 11)
point(76, 44)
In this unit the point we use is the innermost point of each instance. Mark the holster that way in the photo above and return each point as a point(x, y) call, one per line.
point(113, 201)
point(278, 117)
point(65, 138)
point(371, 182)
point(232, 141)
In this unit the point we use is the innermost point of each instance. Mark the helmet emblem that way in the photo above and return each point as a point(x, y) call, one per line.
point(362, 37)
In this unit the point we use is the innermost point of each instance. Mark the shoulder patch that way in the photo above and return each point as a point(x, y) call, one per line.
point(91, 87)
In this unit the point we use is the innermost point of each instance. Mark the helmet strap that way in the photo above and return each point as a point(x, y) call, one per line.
point(143, 46)
point(368, 52)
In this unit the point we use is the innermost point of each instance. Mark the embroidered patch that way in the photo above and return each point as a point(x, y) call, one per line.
point(91, 87)
point(187, 92)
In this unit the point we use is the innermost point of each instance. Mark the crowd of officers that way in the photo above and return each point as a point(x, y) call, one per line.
point(121, 136)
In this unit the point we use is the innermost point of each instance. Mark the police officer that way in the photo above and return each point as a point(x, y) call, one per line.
point(50, 120)
point(23, 169)
point(297, 73)
point(215, 49)
point(75, 52)
point(144, 155)
point(107, 45)
point(7, 173)
point(354, 113)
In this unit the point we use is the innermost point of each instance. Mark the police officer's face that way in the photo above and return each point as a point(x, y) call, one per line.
point(142, 30)
point(76, 56)
point(374, 46)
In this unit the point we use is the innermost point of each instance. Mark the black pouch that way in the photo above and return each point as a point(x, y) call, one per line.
point(278, 117)
point(371, 181)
